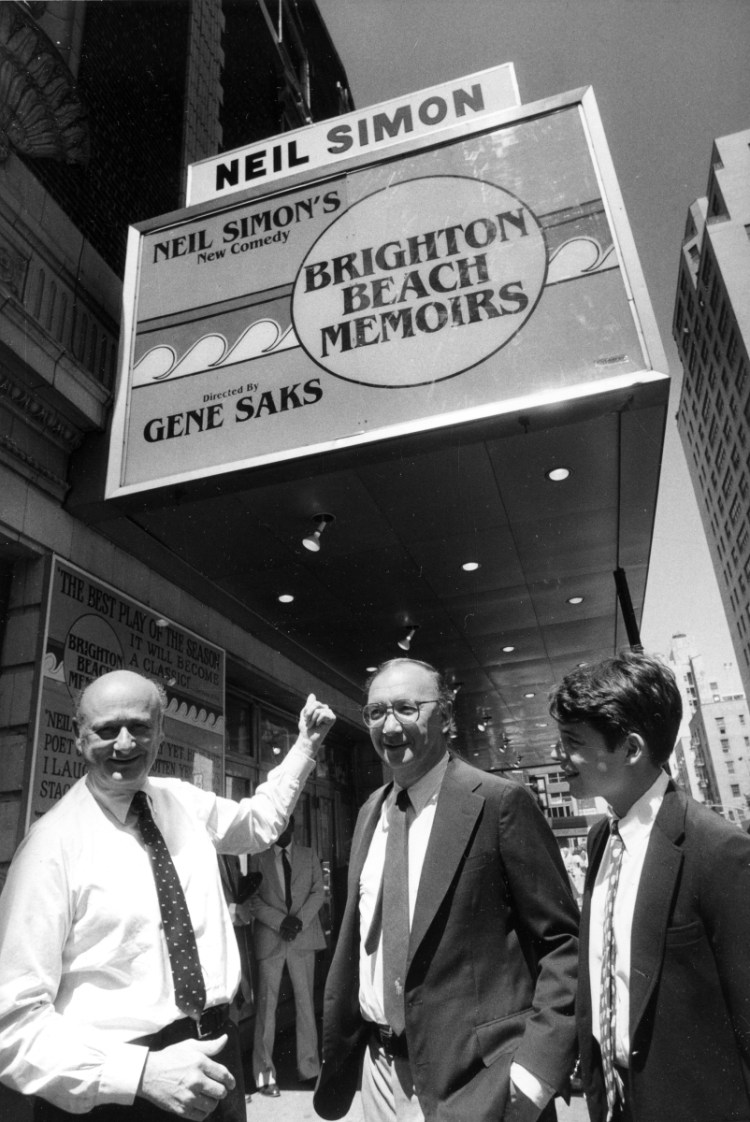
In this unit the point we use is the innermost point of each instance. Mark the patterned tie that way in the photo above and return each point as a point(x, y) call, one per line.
point(287, 879)
point(189, 988)
point(396, 913)
point(612, 1081)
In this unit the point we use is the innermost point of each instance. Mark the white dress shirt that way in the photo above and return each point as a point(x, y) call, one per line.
point(635, 830)
point(423, 796)
point(84, 966)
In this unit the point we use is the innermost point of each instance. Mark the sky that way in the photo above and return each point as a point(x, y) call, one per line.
point(669, 76)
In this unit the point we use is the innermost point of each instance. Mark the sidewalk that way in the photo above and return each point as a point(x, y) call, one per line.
point(295, 1102)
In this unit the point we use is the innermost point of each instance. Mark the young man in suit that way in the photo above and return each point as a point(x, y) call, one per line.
point(664, 1020)
point(458, 1004)
point(287, 930)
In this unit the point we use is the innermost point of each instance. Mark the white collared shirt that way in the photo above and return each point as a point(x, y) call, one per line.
point(84, 966)
point(635, 830)
point(423, 796)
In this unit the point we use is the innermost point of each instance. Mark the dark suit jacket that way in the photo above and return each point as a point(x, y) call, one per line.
point(492, 956)
point(689, 972)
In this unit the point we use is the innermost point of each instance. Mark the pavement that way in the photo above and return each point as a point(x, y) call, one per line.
point(295, 1102)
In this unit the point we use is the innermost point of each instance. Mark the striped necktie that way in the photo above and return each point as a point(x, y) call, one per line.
point(189, 987)
point(607, 996)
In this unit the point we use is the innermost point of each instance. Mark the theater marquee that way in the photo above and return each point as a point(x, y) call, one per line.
point(457, 276)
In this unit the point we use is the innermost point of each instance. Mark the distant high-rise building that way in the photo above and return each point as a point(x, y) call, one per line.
point(712, 755)
point(712, 331)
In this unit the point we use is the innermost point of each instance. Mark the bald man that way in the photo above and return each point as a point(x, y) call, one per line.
point(90, 1018)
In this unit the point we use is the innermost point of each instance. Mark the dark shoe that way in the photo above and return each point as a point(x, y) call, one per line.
point(309, 1082)
point(271, 1091)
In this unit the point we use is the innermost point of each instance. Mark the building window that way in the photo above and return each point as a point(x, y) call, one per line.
point(730, 767)
point(732, 347)
point(721, 455)
point(741, 375)
point(735, 789)
point(734, 510)
point(726, 483)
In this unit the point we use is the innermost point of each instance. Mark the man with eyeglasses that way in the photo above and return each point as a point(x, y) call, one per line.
point(451, 991)
point(118, 960)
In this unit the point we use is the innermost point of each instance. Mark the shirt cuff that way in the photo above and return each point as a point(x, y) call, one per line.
point(532, 1086)
point(121, 1074)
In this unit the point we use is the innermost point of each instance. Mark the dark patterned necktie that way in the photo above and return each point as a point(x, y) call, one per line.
point(396, 913)
point(189, 988)
point(607, 994)
point(287, 879)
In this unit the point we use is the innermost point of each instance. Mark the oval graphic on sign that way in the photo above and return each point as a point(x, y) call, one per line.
point(419, 282)
point(92, 648)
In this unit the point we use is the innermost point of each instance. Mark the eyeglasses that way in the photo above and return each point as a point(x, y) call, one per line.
point(404, 710)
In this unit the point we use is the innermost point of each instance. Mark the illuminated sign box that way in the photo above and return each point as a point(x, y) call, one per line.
point(484, 268)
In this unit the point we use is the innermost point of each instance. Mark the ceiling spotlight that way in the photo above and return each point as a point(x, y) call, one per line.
point(470, 566)
point(575, 599)
point(312, 541)
point(508, 649)
point(405, 642)
point(556, 475)
point(286, 598)
point(532, 694)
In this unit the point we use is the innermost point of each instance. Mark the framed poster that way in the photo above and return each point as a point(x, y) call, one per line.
point(92, 628)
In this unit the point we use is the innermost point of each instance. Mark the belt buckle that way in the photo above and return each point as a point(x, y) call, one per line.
point(207, 1022)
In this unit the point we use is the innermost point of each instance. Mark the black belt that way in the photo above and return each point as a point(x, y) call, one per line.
point(212, 1022)
point(392, 1043)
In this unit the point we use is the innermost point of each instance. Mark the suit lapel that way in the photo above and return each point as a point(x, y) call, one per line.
point(597, 843)
point(369, 816)
point(457, 810)
point(653, 903)
point(271, 876)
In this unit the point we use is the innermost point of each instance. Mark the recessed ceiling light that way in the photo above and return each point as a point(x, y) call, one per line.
point(470, 566)
point(507, 650)
point(558, 474)
point(575, 599)
point(529, 695)
point(286, 598)
point(370, 669)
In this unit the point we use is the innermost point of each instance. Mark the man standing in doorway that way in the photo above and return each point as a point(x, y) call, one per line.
point(453, 980)
point(664, 999)
point(287, 930)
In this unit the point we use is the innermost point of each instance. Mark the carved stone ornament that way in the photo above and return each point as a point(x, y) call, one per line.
point(41, 113)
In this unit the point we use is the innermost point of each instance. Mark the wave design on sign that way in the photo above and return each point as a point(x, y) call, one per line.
point(212, 352)
point(577, 257)
point(196, 715)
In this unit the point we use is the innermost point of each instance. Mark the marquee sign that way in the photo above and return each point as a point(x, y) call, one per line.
point(486, 269)
point(368, 131)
